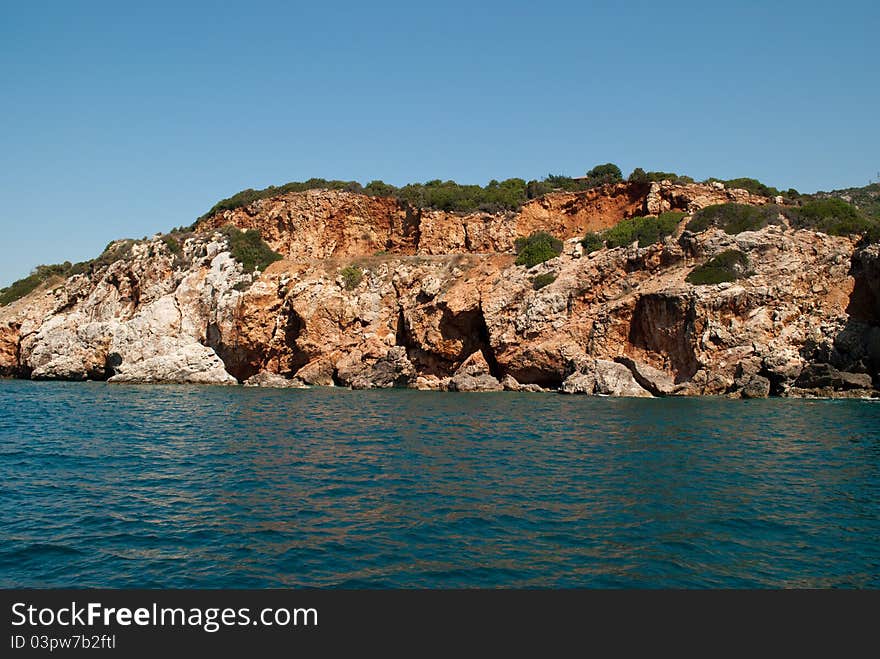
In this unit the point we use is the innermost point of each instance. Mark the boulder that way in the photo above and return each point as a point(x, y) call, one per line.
point(191, 363)
point(756, 387)
point(274, 381)
point(825, 376)
point(603, 378)
point(510, 384)
point(579, 382)
point(653, 379)
point(318, 372)
point(430, 383)
point(613, 379)
point(392, 370)
point(474, 375)
point(782, 368)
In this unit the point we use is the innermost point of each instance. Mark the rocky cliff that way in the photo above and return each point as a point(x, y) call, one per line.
point(439, 303)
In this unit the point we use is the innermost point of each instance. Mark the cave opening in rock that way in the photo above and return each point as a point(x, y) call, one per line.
point(664, 325)
point(294, 358)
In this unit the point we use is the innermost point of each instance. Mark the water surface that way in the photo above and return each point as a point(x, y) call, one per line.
point(175, 486)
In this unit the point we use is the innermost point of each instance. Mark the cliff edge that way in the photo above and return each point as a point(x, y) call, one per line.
point(372, 292)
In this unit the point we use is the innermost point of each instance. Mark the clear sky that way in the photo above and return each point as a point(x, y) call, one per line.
point(122, 119)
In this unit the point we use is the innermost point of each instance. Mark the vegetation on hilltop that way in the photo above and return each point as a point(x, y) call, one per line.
point(866, 199)
point(639, 175)
point(116, 250)
point(829, 215)
point(734, 218)
point(832, 216)
point(495, 196)
point(22, 287)
point(646, 230)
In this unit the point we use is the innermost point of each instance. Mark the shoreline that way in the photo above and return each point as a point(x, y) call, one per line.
point(870, 396)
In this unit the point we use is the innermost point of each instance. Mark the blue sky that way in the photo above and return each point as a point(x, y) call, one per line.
point(124, 119)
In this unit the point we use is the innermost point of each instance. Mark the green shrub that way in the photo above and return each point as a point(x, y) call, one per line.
point(669, 176)
point(172, 245)
point(866, 199)
point(555, 183)
point(728, 265)
point(537, 248)
point(496, 196)
point(602, 174)
point(250, 195)
point(248, 248)
point(20, 288)
point(592, 242)
point(540, 281)
point(832, 216)
point(749, 184)
point(638, 175)
point(734, 218)
point(647, 230)
point(379, 189)
point(351, 276)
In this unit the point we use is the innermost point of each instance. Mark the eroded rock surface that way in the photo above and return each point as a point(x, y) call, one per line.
point(441, 305)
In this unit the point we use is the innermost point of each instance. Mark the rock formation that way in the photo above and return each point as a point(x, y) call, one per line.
point(441, 304)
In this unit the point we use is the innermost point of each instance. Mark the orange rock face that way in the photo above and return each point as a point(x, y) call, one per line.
point(9, 336)
point(441, 304)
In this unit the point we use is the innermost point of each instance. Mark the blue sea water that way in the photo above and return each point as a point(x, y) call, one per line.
point(178, 486)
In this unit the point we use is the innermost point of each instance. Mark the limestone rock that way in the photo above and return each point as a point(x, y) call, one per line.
point(190, 363)
point(318, 372)
point(474, 375)
point(825, 376)
point(613, 379)
point(441, 292)
point(9, 338)
point(579, 382)
point(510, 384)
point(602, 377)
point(392, 370)
point(756, 387)
point(652, 379)
point(274, 381)
point(430, 383)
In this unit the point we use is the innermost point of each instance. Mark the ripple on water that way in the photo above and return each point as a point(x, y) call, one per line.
point(218, 487)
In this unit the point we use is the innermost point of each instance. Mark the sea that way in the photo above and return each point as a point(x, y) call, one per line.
point(121, 486)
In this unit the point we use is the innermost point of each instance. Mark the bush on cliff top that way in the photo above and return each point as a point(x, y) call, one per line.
point(639, 175)
point(728, 265)
point(248, 248)
point(832, 216)
point(115, 251)
point(734, 218)
point(537, 248)
point(645, 230)
point(20, 288)
point(592, 242)
point(749, 184)
point(173, 245)
point(496, 196)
